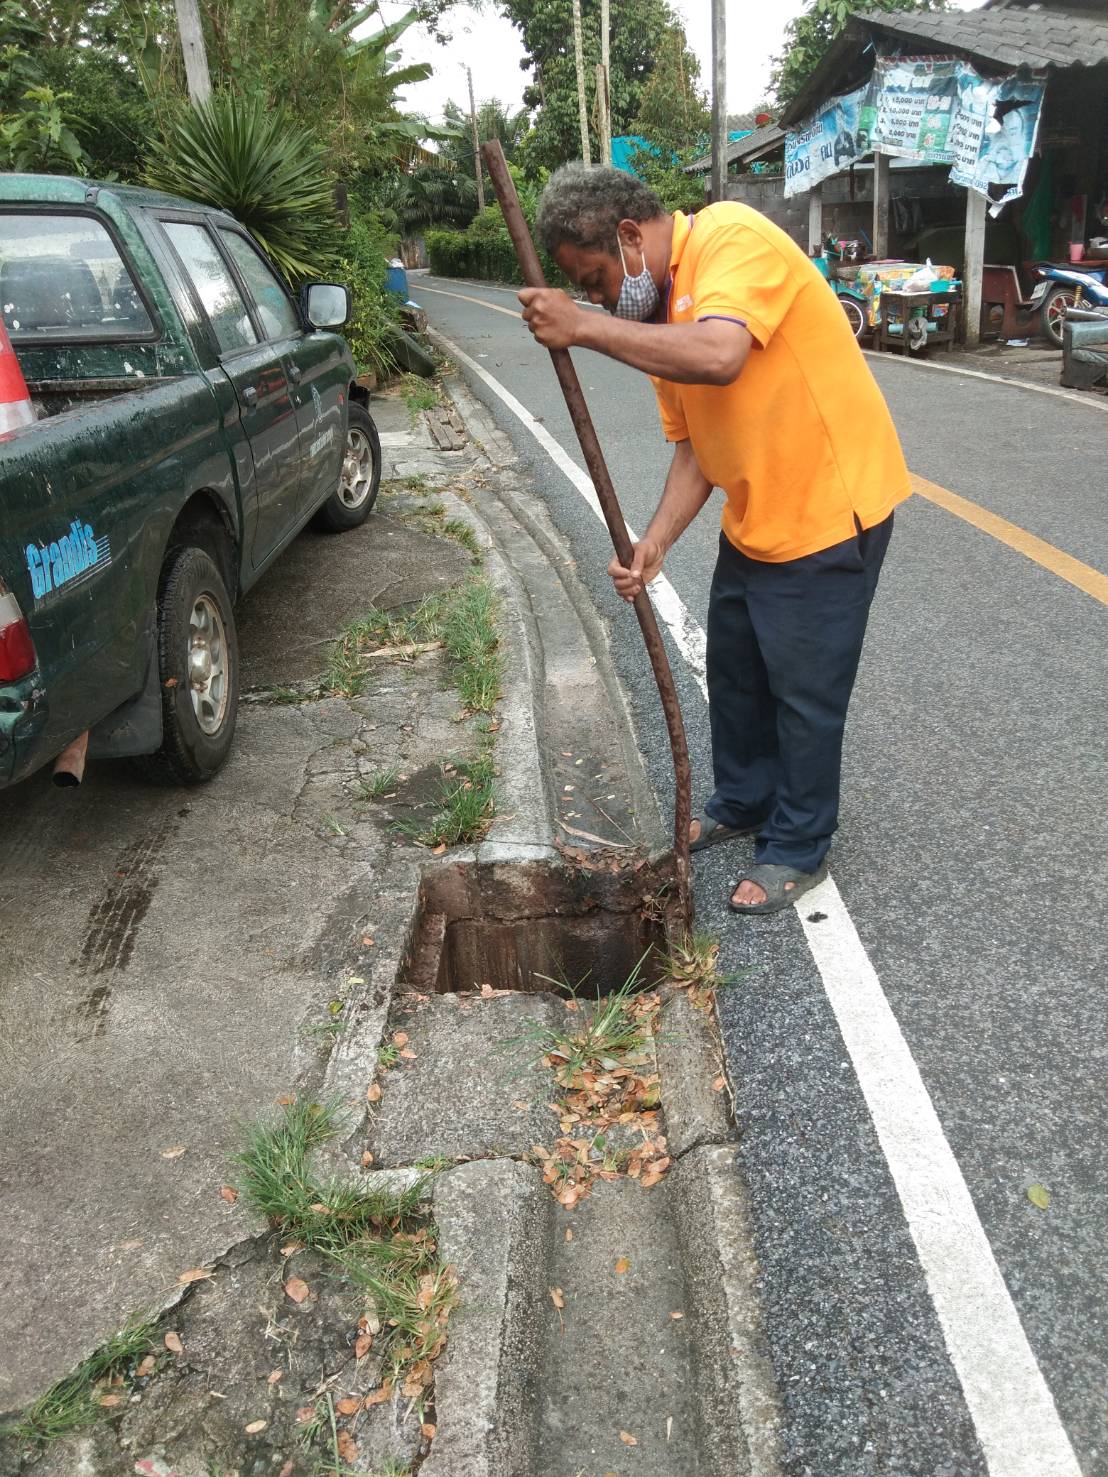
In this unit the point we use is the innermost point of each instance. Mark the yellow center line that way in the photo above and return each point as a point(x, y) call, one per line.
point(1083, 576)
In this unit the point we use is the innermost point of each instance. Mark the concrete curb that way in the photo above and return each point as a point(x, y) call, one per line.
point(689, 1061)
point(495, 1223)
point(735, 1372)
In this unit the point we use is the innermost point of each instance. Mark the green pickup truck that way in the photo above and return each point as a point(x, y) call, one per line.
point(191, 418)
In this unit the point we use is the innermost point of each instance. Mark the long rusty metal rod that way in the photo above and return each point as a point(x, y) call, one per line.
point(532, 271)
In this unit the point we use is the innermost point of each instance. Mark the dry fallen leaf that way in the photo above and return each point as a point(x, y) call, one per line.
point(367, 1159)
point(286, 1100)
point(229, 1193)
point(274, 1376)
point(291, 1246)
point(719, 1084)
point(378, 1397)
point(175, 1152)
point(627, 1438)
point(363, 1345)
point(677, 1315)
point(305, 1413)
point(254, 1427)
point(373, 1093)
point(110, 1400)
point(400, 1038)
point(195, 1274)
point(439, 849)
point(145, 1367)
point(348, 1406)
point(348, 1447)
point(623, 1265)
point(557, 1297)
point(408, 1054)
point(173, 1343)
point(428, 1430)
point(132, 1245)
point(569, 1233)
point(297, 1289)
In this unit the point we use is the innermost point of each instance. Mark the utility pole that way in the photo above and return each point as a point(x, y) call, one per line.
point(476, 144)
point(579, 53)
point(604, 81)
point(719, 100)
point(192, 47)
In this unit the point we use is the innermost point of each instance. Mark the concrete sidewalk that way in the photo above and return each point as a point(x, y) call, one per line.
point(274, 938)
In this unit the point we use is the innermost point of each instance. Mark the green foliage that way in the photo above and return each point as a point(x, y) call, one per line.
point(114, 115)
point(39, 136)
point(666, 177)
point(375, 313)
point(808, 38)
point(36, 120)
point(673, 113)
point(241, 155)
point(485, 249)
point(644, 35)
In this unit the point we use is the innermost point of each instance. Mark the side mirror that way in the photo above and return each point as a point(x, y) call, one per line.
point(325, 304)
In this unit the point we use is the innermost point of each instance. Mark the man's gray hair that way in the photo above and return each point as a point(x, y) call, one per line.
point(583, 205)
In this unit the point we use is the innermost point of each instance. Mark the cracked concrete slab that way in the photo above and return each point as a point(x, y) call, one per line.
point(475, 1085)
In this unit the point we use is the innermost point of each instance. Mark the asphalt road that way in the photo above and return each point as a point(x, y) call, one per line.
point(970, 860)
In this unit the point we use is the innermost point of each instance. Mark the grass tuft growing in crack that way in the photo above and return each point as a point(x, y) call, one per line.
point(467, 806)
point(463, 620)
point(692, 965)
point(380, 1239)
point(593, 1041)
point(89, 1392)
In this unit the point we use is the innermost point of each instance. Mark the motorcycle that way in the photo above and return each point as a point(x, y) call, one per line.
point(853, 303)
point(1063, 288)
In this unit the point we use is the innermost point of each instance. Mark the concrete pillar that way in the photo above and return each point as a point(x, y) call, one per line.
point(880, 205)
point(972, 272)
point(815, 219)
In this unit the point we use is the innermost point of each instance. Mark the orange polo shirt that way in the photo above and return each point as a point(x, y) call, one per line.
point(802, 441)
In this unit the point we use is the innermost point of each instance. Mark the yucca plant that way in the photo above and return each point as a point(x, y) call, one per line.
point(237, 153)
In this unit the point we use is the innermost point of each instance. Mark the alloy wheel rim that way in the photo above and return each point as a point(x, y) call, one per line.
point(357, 469)
point(208, 666)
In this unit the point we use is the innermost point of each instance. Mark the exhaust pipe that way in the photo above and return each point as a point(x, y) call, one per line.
point(69, 766)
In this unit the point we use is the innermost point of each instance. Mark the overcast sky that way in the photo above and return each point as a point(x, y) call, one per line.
point(491, 46)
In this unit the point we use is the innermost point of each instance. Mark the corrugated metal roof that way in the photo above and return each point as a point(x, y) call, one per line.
point(1027, 36)
point(750, 147)
point(1005, 38)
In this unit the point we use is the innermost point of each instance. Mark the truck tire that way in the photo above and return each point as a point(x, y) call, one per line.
point(198, 665)
point(360, 479)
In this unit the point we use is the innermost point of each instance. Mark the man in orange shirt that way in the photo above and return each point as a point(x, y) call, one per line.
point(765, 394)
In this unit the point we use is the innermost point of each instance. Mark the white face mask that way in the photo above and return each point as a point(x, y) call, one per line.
point(638, 297)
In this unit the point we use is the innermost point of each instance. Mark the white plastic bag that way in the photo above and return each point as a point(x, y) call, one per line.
point(921, 280)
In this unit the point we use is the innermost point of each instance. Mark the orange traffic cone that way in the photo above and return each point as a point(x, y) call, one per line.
point(15, 404)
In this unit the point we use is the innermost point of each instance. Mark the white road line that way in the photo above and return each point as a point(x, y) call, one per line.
point(1012, 1408)
point(1089, 398)
point(1013, 1411)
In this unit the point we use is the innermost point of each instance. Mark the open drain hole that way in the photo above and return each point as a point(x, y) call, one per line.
point(536, 928)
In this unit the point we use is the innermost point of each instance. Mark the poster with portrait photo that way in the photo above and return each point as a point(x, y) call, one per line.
point(994, 137)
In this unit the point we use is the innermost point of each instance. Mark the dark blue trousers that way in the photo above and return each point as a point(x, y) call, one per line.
point(784, 642)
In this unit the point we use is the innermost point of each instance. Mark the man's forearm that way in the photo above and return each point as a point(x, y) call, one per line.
point(711, 352)
point(685, 493)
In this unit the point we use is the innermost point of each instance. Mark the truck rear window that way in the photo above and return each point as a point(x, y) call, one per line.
point(61, 277)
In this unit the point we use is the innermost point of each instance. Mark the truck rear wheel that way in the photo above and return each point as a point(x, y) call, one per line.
point(349, 505)
point(198, 663)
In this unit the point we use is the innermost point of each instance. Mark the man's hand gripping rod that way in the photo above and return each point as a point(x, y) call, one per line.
point(613, 517)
